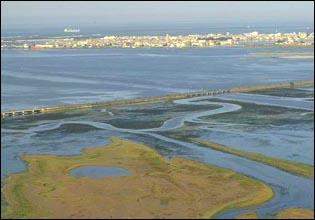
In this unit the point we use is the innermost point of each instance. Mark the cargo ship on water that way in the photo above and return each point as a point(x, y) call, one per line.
point(70, 30)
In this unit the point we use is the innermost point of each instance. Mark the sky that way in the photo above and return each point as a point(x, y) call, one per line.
point(52, 14)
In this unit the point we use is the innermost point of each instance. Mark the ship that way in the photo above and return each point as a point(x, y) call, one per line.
point(70, 30)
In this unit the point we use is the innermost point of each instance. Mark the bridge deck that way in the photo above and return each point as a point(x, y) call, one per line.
point(154, 98)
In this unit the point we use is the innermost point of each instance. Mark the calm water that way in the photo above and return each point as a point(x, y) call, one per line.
point(159, 29)
point(98, 171)
point(53, 77)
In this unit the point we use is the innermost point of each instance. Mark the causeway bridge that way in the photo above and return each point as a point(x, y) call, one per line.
point(171, 97)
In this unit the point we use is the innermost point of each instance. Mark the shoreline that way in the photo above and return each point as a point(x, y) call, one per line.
point(153, 99)
point(52, 172)
point(298, 57)
point(293, 167)
point(258, 178)
point(171, 48)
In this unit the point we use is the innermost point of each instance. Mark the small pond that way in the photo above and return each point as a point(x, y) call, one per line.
point(98, 171)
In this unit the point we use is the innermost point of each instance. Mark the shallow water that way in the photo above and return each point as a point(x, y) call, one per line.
point(290, 190)
point(46, 78)
point(65, 76)
point(285, 132)
point(281, 142)
point(289, 102)
point(98, 171)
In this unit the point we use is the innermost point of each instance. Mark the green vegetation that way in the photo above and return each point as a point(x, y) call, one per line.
point(296, 213)
point(248, 215)
point(166, 98)
point(261, 115)
point(150, 116)
point(136, 123)
point(295, 93)
point(286, 165)
point(157, 188)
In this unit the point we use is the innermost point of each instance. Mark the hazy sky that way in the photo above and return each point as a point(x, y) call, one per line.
point(28, 14)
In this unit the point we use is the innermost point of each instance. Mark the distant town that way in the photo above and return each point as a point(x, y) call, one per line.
point(252, 39)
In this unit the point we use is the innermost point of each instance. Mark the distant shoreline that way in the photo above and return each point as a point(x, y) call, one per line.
point(251, 39)
point(178, 48)
point(298, 57)
point(285, 55)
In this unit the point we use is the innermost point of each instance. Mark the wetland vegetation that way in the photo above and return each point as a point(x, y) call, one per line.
point(296, 213)
point(289, 166)
point(167, 188)
point(189, 183)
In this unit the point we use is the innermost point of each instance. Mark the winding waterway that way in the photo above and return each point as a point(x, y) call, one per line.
point(290, 190)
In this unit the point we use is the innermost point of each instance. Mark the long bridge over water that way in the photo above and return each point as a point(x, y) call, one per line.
point(71, 107)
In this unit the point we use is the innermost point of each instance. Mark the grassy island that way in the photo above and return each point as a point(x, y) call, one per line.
point(286, 165)
point(296, 213)
point(156, 188)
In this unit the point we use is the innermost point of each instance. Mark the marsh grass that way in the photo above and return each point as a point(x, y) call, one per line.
point(174, 188)
point(286, 165)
